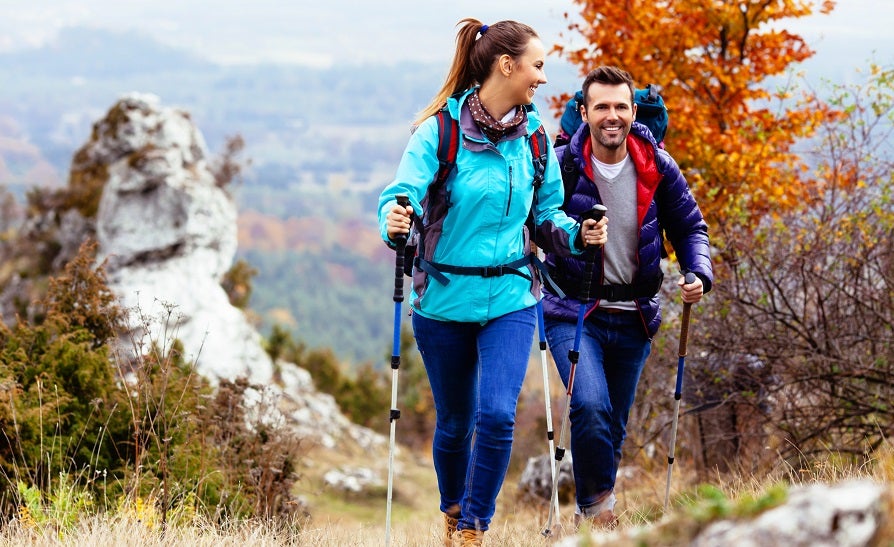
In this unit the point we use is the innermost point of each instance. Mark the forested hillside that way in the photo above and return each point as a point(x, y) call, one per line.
point(328, 280)
point(320, 143)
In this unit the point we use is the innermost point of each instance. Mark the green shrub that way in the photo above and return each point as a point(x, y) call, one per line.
point(81, 421)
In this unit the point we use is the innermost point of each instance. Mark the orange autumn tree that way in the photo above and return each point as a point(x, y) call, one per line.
point(733, 137)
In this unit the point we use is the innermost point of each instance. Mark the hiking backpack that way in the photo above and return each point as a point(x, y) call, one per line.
point(570, 120)
point(651, 110)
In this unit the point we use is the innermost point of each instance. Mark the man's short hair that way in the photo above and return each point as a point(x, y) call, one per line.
point(607, 75)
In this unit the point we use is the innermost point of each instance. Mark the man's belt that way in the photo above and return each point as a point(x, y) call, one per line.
point(615, 292)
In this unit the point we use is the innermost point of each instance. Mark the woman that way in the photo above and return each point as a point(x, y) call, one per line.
point(474, 288)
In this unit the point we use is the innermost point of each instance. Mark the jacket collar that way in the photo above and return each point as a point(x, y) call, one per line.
point(459, 110)
point(640, 146)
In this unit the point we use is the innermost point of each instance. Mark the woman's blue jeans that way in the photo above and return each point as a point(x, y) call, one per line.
point(476, 373)
point(613, 350)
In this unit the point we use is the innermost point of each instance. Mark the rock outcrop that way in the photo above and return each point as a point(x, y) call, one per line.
point(852, 513)
point(167, 228)
point(168, 233)
point(849, 514)
point(536, 482)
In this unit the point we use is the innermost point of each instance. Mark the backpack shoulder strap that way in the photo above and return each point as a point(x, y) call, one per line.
point(448, 144)
point(539, 154)
point(569, 174)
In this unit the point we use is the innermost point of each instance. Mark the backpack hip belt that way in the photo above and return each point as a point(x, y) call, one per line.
point(616, 292)
point(437, 270)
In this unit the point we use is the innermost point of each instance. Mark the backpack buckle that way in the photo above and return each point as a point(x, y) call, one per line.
point(609, 293)
point(492, 271)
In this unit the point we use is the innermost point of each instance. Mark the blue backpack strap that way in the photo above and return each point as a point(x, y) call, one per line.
point(544, 275)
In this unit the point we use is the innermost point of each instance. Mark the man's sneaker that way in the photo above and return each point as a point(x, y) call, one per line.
point(600, 516)
point(606, 520)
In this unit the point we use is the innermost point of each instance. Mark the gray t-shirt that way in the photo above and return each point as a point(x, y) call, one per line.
point(617, 188)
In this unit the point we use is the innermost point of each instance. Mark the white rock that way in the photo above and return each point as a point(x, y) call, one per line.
point(818, 515)
point(351, 479)
point(168, 233)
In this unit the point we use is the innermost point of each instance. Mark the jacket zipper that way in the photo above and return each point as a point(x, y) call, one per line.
point(509, 202)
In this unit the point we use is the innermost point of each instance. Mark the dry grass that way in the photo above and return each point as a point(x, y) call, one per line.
point(347, 519)
point(522, 529)
point(340, 520)
point(337, 520)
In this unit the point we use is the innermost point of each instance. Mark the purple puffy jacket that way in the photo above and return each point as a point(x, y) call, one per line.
point(665, 205)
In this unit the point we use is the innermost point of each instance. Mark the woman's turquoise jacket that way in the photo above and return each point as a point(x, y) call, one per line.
point(489, 195)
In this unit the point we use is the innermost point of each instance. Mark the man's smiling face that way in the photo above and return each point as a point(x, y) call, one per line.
point(609, 111)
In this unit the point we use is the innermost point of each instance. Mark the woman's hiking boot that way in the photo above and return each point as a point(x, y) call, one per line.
point(471, 538)
point(449, 530)
point(451, 519)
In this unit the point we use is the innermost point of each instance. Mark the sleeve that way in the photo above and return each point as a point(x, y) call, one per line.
point(415, 172)
point(556, 232)
point(684, 224)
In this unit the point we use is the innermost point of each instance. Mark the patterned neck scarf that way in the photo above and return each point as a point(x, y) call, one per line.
point(493, 128)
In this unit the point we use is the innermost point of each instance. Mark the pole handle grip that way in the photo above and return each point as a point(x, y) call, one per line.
point(403, 201)
point(596, 213)
point(400, 243)
point(684, 326)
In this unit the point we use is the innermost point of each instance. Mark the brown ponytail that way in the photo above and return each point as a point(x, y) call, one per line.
point(475, 56)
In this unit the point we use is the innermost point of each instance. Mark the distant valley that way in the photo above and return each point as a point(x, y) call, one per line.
point(321, 143)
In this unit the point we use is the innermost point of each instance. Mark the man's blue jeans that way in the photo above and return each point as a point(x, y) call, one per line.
point(476, 373)
point(613, 350)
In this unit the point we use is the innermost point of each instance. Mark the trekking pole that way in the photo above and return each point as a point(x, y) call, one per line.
point(678, 390)
point(550, 434)
point(596, 213)
point(400, 243)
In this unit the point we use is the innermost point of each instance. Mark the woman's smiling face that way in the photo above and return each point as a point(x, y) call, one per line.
point(527, 72)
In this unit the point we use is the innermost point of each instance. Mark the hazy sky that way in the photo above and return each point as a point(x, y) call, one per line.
point(306, 31)
point(320, 32)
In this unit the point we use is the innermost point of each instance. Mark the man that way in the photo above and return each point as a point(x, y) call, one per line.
point(620, 166)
